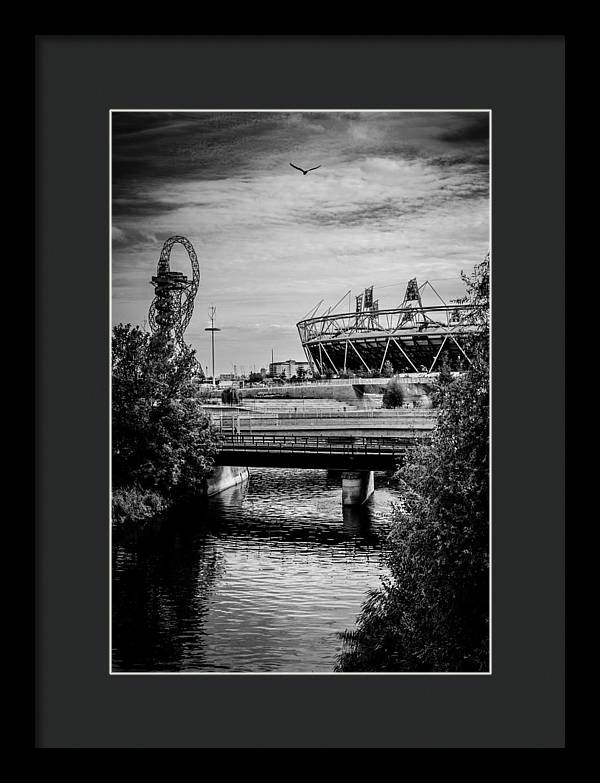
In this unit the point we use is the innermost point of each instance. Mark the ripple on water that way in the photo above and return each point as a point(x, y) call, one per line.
point(263, 580)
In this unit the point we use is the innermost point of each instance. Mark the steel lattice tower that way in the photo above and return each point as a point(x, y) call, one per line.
point(173, 303)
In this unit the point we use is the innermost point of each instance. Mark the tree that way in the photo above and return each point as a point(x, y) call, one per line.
point(301, 373)
point(255, 377)
point(161, 438)
point(393, 396)
point(431, 614)
point(445, 374)
point(230, 396)
point(444, 378)
point(388, 369)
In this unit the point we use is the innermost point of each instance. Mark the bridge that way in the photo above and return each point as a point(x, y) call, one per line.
point(335, 452)
point(319, 434)
point(357, 457)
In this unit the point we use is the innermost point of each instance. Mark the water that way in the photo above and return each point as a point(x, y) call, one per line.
point(261, 578)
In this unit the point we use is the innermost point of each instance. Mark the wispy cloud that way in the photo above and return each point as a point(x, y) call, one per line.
point(397, 195)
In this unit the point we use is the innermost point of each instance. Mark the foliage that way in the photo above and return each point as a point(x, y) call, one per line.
point(255, 377)
point(230, 396)
point(134, 504)
point(444, 378)
point(431, 613)
point(388, 369)
point(162, 441)
point(393, 396)
point(301, 373)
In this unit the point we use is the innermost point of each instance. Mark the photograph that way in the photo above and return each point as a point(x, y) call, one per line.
point(300, 370)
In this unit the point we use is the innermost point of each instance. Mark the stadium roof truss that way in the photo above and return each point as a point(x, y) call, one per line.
point(412, 337)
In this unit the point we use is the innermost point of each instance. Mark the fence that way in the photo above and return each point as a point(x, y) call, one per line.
point(298, 415)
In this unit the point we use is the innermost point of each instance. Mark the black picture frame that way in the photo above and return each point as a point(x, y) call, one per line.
point(78, 80)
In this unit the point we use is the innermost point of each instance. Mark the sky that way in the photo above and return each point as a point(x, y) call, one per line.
point(397, 195)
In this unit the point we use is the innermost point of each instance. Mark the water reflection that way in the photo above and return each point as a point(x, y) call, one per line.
point(161, 590)
point(357, 520)
point(258, 578)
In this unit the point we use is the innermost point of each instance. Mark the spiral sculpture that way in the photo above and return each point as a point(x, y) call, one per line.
point(174, 293)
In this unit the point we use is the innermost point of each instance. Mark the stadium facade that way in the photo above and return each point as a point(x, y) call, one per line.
point(413, 338)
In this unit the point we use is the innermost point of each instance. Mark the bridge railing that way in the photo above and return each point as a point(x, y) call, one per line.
point(419, 427)
point(289, 415)
point(318, 444)
point(367, 413)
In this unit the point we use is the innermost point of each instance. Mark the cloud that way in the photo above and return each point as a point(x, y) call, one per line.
point(397, 195)
point(469, 128)
point(131, 236)
point(118, 235)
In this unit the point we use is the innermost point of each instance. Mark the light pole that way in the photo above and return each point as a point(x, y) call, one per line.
point(212, 329)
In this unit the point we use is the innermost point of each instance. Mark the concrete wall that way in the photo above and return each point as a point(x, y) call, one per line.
point(343, 393)
point(415, 392)
point(414, 388)
point(224, 477)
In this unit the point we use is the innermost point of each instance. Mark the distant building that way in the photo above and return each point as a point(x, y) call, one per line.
point(288, 368)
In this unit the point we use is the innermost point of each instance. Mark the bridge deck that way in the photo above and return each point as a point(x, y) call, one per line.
point(306, 451)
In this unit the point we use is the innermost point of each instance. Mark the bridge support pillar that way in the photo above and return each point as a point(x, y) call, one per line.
point(357, 487)
point(224, 477)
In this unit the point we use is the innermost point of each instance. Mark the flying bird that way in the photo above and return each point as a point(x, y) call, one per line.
point(305, 171)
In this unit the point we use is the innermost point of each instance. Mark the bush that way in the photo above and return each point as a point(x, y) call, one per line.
point(136, 505)
point(230, 396)
point(393, 396)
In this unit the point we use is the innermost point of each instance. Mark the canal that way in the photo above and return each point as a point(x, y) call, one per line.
point(260, 578)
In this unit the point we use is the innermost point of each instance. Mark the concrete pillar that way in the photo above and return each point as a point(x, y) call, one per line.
point(224, 477)
point(357, 487)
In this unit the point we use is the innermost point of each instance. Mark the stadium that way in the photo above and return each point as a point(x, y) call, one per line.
point(413, 338)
